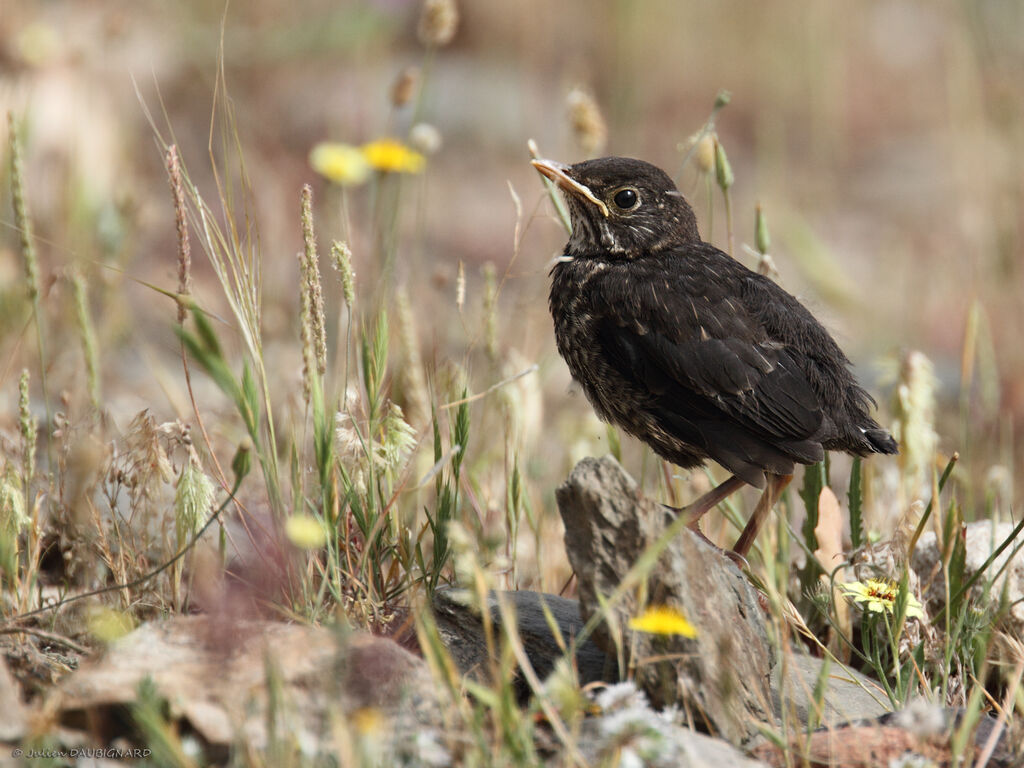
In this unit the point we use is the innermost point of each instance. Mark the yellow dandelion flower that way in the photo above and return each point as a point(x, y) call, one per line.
point(879, 596)
point(663, 620)
point(305, 532)
point(392, 156)
point(341, 163)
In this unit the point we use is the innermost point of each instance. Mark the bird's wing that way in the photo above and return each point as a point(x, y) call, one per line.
point(711, 373)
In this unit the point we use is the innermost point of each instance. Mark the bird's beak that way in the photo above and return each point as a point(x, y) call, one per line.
point(557, 173)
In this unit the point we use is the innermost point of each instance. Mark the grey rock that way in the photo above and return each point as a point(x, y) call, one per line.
point(849, 695)
point(12, 711)
point(217, 679)
point(721, 675)
point(982, 538)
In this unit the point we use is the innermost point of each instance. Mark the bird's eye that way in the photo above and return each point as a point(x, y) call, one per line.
point(625, 198)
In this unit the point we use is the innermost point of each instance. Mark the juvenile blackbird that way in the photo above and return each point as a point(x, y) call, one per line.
point(683, 347)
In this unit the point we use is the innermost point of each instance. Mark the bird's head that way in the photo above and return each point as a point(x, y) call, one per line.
point(621, 207)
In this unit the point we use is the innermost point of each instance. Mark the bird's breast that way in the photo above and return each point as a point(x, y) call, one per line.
point(579, 301)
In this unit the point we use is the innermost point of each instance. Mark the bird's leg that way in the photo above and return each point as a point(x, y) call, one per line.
point(776, 484)
point(695, 510)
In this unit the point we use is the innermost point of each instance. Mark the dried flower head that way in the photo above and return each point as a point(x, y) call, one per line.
point(392, 156)
point(438, 21)
point(341, 163)
point(588, 126)
point(702, 145)
point(460, 286)
point(404, 87)
point(425, 138)
point(348, 442)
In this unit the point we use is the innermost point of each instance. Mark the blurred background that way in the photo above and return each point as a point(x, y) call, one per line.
point(884, 141)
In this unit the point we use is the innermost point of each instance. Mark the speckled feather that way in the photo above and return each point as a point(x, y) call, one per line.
point(685, 348)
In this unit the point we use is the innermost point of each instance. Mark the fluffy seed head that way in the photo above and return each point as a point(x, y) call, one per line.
point(438, 21)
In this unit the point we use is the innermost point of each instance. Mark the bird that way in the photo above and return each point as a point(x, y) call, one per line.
point(682, 346)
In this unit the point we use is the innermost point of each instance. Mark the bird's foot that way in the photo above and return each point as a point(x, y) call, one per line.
point(694, 525)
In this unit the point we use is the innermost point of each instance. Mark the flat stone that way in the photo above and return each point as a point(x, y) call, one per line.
point(849, 695)
point(216, 677)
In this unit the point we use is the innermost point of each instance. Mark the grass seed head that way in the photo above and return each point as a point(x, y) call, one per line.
point(193, 500)
point(341, 258)
point(762, 240)
point(181, 224)
point(588, 125)
point(460, 286)
point(439, 20)
point(915, 409)
point(404, 88)
point(13, 515)
point(28, 428)
point(22, 219)
point(723, 170)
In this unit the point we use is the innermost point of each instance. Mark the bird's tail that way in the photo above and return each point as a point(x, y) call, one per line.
point(881, 441)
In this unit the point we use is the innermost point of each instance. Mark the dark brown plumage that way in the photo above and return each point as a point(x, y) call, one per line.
point(685, 348)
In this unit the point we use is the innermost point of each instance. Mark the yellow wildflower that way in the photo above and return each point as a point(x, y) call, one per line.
point(879, 596)
point(392, 156)
point(341, 163)
point(305, 532)
point(368, 721)
point(663, 620)
point(108, 625)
